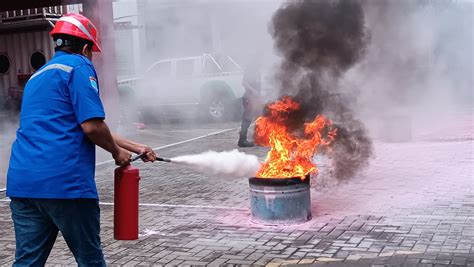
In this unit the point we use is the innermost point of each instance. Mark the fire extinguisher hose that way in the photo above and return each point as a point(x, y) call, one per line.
point(138, 156)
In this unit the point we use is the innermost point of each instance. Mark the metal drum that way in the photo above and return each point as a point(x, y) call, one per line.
point(276, 201)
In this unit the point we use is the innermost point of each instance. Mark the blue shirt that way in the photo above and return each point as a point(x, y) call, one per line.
point(51, 156)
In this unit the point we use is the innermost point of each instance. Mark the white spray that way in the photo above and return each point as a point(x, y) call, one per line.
point(225, 164)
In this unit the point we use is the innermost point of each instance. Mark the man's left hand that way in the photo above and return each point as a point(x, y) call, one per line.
point(149, 154)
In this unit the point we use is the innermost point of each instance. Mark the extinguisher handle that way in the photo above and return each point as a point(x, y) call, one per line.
point(163, 159)
point(138, 156)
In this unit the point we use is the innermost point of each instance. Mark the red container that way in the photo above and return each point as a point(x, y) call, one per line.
point(126, 203)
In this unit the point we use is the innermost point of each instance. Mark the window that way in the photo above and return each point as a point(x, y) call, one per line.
point(210, 66)
point(162, 69)
point(4, 64)
point(184, 68)
point(37, 60)
point(228, 65)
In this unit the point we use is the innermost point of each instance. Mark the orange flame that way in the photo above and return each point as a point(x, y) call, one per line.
point(290, 155)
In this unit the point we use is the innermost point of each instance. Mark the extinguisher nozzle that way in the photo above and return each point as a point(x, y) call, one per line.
point(163, 159)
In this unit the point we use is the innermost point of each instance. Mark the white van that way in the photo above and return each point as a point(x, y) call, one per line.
point(210, 85)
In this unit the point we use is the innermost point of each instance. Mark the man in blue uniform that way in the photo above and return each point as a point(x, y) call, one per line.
point(50, 179)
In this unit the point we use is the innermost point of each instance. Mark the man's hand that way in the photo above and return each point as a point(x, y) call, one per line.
point(149, 154)
point(122, 157)
point(135, 147)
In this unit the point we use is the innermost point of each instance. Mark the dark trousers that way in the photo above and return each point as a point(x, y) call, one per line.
point(248, 116)
point(38, 221)
point(244, 128)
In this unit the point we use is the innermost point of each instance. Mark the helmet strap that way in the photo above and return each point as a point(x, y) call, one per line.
point(60, 42)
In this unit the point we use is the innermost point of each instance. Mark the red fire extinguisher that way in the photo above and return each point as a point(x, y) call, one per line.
point(126, 203)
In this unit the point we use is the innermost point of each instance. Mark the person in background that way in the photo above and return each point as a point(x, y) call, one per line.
point(50, 178)
point(250, 101)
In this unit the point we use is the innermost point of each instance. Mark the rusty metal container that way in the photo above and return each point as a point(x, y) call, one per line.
point(279, 201)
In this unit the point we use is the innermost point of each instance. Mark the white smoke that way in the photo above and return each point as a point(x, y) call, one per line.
point(181, 29)
point(418, 65)
point(224, 164)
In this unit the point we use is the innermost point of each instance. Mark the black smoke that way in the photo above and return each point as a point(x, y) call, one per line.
point(319, 41)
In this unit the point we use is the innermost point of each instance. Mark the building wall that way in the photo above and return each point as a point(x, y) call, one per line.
point(124, 53)
point(19, 47)
point(126, 12)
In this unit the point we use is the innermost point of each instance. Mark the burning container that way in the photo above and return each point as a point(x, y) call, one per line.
point(278, 194)
point(280, 200)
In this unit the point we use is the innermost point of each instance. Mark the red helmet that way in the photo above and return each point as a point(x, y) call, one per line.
point(79, 26)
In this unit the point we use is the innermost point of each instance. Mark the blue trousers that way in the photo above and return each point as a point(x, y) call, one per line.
point(38, 221)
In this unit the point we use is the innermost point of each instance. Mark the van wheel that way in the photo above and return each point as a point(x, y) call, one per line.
point(217, 108)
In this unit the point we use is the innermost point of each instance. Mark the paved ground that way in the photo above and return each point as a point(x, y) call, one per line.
point(414, 205)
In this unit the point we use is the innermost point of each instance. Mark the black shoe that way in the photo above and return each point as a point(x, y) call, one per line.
point(245, 143)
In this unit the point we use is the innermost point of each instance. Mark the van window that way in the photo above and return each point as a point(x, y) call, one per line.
point(210, 66)
point(184, 68)
point(162, 69)
point(227, 65)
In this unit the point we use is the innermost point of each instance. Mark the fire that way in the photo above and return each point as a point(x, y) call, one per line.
point(290, 153)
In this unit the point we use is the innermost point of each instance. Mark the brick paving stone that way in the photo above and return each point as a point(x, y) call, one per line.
point(340, 254)
point(145, 264)
point(355, 240)
point(353, 249)
point(240, 262)
point(132, 263)
point(459, 261)
point(435, 261)
point(325, 259)
point(217, 262)
point(411, 261)
point(234, 257)
point(353, 257)
point(194, 263)
point(174, 263)
point(300, 254)
point(306, 261)
point(123, 260)
point(189, 258)
point(365, 244)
